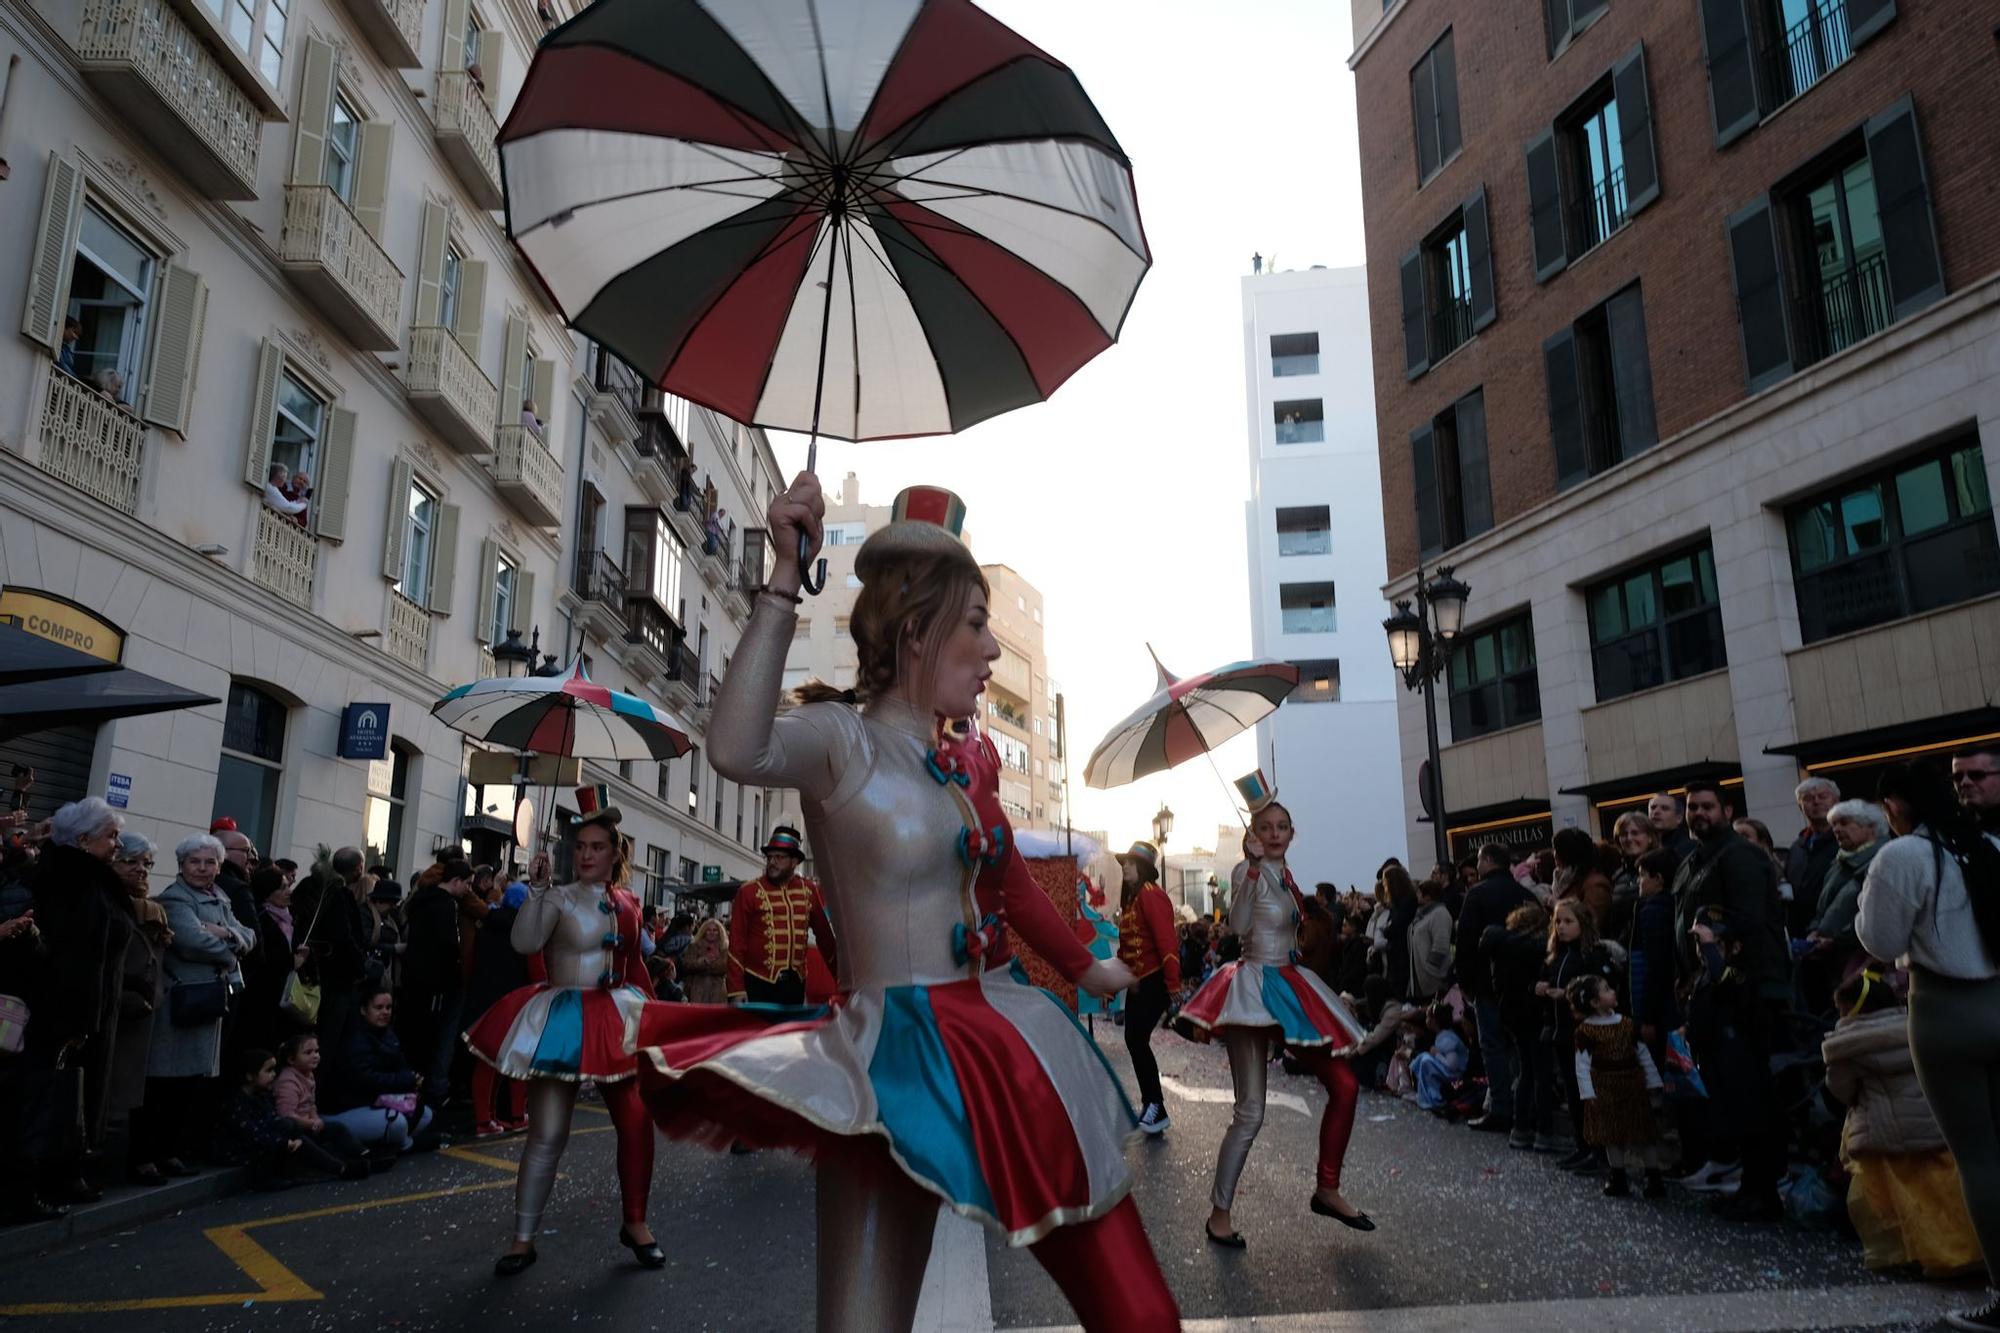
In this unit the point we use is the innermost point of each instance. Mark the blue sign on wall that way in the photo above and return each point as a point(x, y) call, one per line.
point(364, 731)
point(118, 791)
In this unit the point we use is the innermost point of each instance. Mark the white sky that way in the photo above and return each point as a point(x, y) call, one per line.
point(1122, 498)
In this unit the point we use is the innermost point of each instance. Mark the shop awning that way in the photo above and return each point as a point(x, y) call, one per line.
point(1893, 742)
point(100, 696)
point(1666, 779)
point(26, 657)
point(1519, 808)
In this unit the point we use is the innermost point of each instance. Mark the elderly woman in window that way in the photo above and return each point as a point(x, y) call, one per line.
point(1860, 828)
point(204, 971)
point(81, 914)
point(277, 495)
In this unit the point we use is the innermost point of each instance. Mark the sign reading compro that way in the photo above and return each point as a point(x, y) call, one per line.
point(62, 621)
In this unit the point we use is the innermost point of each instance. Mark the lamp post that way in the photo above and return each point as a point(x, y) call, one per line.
point(1163, 825)
point(1420, 644)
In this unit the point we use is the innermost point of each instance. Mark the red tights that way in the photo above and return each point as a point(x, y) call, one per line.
point(1336, 1126)
point(1107, 1271)
point(494, 1095)
point(634, 1129)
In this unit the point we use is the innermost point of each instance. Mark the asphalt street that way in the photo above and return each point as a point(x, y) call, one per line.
point(1470, 1233)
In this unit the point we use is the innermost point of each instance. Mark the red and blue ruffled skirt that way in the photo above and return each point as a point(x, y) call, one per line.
point(562, 1032)
point(986, 1092)
point(1303, 1009)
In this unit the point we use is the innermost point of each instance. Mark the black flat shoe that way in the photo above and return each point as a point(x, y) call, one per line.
point(1360, 1221)
point(507, 1265)
point(1233, 1241)
point(649, 1255)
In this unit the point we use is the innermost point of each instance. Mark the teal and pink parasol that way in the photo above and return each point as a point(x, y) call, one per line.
point(569, 715)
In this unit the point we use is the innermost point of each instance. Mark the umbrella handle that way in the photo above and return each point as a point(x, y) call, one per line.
point(812, 573)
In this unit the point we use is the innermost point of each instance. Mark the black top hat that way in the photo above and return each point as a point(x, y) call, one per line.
point(785, 838)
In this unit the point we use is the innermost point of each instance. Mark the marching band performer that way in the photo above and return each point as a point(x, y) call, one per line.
point(768, 925)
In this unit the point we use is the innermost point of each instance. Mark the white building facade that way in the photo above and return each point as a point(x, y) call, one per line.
point(1317, 569)
point(274, 226)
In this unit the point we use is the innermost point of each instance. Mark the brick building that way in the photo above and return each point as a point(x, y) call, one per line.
point(1686, 330)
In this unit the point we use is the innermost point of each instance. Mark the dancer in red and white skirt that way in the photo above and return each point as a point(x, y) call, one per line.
point(1266, 998)
point(937, 1075)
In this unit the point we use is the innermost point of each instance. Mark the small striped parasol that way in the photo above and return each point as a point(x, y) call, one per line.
point(568, 715)
point(1188, 718)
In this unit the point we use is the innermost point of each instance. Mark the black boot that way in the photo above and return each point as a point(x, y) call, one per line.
point(1619, 1186)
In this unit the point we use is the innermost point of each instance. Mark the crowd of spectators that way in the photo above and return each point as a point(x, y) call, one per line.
point(1767, 1061)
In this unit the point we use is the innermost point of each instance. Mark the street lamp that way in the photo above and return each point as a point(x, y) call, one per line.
point(1163, 825)
point(512, 657)
point(1420, 646)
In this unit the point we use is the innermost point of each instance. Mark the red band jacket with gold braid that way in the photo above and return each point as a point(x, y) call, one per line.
point(767, 931)
point(1147, 941)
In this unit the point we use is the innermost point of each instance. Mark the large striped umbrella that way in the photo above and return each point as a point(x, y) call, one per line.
point(568, 715)
point(1188, 718)
point(860, 218)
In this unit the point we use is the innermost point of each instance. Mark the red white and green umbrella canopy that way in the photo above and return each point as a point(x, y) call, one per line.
point(1188, 718)
point(861, 218)
point(568, 715)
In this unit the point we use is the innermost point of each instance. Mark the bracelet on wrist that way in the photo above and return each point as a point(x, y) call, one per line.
point(785, 599)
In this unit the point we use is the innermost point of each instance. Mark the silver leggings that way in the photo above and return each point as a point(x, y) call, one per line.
point(1249, 1062)
point(875, 1229)
point(551, 1102)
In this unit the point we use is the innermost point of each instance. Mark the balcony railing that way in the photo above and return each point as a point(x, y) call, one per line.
point(1303, 363)
point(345, 269)
point(146, 60)
point(648, 624)
point(286, 557)
point(395, 28)
point(1302, 432)
point(1807, 51)
point(617, 393)
point(450, 389)
point(528, 475)
point(90, 442)
point(1599, 212)
point(469, 136)
point(409, 637)
point(1451, 326)
point(600, 594)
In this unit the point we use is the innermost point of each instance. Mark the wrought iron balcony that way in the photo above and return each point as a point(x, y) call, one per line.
point(147, 61)
point(1848, 305)
point(1807, 51)
point(600, 594)
point(395, 28)
point(1451, 326)
point(90, 442)
point(616, 392)
point(286, 558)
point(409, 636)
point(648, 625)
point(469, 136)
point(1598, 213)
point(451, 391)
point(528, 475)
point(344, 269)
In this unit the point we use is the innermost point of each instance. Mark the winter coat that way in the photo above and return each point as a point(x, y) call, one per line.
point(142, 996)
point(1915, 904)
point(234, 885)
point(1430, 951)
point(1514, 959)
point(339, 925)
point(194, 957)
point(1649, 946)
point(1739, 881)
point(80, 912)
point(1869, 1069)
point(1487, 904)
point(265, 971)
point(1350, 968)
point(496, 968)
point(1396, 946)
point(1570, 962)
point(704, 968)
point(430, 965)
point(1840, 896)
point(371, 1065)
point(250, 1128)
point(297, 1097)
point(1807, 862)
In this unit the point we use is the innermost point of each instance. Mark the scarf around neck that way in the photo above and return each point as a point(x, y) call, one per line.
point(283, 916)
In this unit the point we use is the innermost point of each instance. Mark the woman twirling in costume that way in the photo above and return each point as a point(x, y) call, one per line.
point(937, 1074)
point(1265, 998)
point(579, 1024)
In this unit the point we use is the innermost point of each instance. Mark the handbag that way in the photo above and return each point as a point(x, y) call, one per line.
point(199, 1004)
point(300, 999)
point(403, 1102)
point(13, 1024)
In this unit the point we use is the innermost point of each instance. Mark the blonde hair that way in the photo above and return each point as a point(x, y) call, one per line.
point(1586, 925)
point(1635, 819)
point(904, 597)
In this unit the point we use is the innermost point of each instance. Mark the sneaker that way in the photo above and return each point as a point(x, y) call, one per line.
point(487, 1129)
point(1547, 1143)
point(1154, 1119)
point(1708, 1176)
point(514, 1126)
point(1491, 1124)
point(1521, 1140)
point(1983, 1320)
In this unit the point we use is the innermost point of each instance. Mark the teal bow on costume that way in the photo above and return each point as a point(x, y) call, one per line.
point(968, 945)
point(976, 848)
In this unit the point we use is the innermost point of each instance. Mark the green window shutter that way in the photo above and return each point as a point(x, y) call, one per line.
point(544, 392)
point(1760, 294)
point(263, 415)
point(430, 264)
point(1475, 483)
point(1565, 409)
point(524, 600)
point(1732, 75)
point(315, 114)
point(336, 468)
point(55, 248)
point(444, 559)
point(371, 186)
point(456, 16)
point(396, 538)
point(1479, 258)
point(1903, 199)
point(1635, 130)
point(491, 48)
point(1416, 315)
point(1865, 18)
point(489, 565)
point(168, 395)
point(512, 391)
point(1545, 207)
point(471, 307)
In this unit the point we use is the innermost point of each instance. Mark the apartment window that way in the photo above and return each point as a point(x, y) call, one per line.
point(1565, 19)
point(1454, 493)
point(469, 42)
point(110, 284)
point(656, 874)
point(343, 149)
point(1763, 53)
point(739, 814)
point(388, 797)
point(1899, 542)
point(846, 534)
point(252, 762)
point(1841, 251)
point(1294, 354)
point(1493, 681)
point(720, 783)
point(694, 783)
point(450, 278)
point(1600, 389)
point(506, 581)
point(1299, 420)
point(1655, 624)
point(1319, 682)
point(1447, 286)
point(1306, 608)
point(420, 530)
point(1434, 99)
point(757, 829)
point(662, 774)
point(1305, 530)
point(301, 416)
point(257, 29)
point(1591, 171)
point(690, 870)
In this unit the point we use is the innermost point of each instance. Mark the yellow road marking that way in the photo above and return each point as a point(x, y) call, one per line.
point(275, 1282)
